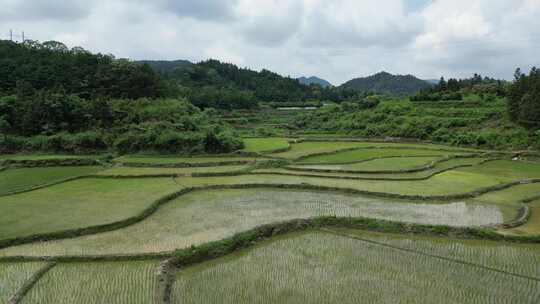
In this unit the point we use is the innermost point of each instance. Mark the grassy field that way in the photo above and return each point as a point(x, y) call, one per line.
point(166, 159)
point(325, 268)
point(95, 283)
point(264, 144)
point(79, 203)
point(398, 163)
point(366, 154)
point(23, 178)
point(13, 276)
point(134, 171)
point(205, 216)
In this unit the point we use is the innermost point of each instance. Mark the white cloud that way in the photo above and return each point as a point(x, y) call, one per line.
point(336, 39)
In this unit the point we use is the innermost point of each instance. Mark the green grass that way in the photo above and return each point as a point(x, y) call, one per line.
point(96, 283)
point(166, 159)
point(398, 163)
point(43, 156)
point(79, 203)
point(23, 178)
point(13, 276)
point(134, 171)
point(264, 144)
point(324, 268)
point(204, 216)
point(365, 154)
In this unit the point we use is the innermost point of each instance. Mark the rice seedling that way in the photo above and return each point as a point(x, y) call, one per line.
point(134, 171)
point(18, 179)
point(204, 216)
point(366, 154)
point(80, 203)
point(13, 276)
point(97, 282)
point(264, 144)
point(173, 159)
point(324, 268)
point(398, 163)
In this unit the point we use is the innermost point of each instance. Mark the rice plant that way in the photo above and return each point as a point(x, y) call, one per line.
point(13, 276)
point(322, 268)
point(205, 216)
point(96, 283)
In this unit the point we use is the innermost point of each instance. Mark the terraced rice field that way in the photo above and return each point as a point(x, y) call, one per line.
point(77, 204)
point(179, 160)
point(205, 216)
point(262, 145)
point(311, 196)
point(88, 283)
point(369, 154)
point(385, 164)
point(18, 179)
point(43, 156)
point(325, 268)
point(13, 276)
point(135, 171)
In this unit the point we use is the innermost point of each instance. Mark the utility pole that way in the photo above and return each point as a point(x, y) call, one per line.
point(11, 35)
point(22, 36)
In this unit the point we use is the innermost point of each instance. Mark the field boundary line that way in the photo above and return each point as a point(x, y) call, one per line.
point(29, 283)
point(431, 255)
point(425, 167)
point(154, 206)
point(252, 236)
point(375, 178)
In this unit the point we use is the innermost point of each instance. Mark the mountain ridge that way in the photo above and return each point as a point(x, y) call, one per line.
point(387, 83)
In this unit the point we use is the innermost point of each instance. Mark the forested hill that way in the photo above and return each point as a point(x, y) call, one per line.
point(52, 65)
point(314, 80)
point(384, 82)
point(166, 66)
point(215, 76)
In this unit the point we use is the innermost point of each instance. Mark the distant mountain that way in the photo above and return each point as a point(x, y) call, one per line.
point(432, 81)
point(384, 82)
point(314, 80)
point(166, 66)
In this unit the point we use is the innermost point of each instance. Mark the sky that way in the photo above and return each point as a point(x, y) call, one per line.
point(333, 39)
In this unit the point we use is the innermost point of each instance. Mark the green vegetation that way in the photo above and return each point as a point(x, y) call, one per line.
point(385, 164)
point(77, 204)
point(18, 179)
point(524, 99)
point(368, 154)
point(93, 283)
point(179, 160)
point(13, 276)
point(532, 227)
point(264, 144)
point(438, 168)
point(136, 171)
point(203, 216)
point(325, 268)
